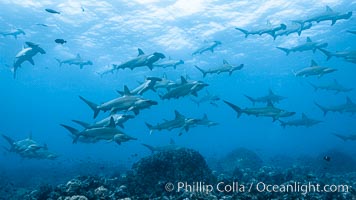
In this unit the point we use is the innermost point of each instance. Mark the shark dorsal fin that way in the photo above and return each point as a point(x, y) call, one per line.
point(164, 76)
point(270, 92)
point(348, 100)
point(178, 115)
point(172, 141)
point(225, 62)
point(183, 80)
point(304, 116)
point(78, 56)
point(140, 52)
point(328, 9)
point(313, 63)
point(270, 104)
point(205, 117)
point(308, 39)
point(111, 123)
point(126, 91)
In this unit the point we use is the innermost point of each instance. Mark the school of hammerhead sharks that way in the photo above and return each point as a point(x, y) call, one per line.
point(131, 102)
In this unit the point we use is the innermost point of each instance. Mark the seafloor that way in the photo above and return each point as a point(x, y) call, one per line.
point(149, 178)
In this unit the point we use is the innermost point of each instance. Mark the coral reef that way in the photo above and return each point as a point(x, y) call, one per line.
point(149, 175)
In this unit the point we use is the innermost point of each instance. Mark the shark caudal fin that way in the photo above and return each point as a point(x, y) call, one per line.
point(8, 139)
point(314, 86)
point(59, 62)
point(342, 137)
point(325, 110)
point(251, 99)
point(201, 70)
point(283, 124)
point(72, 130)
point(284, 49)
point(327, 53)
point(234, 107)
point(243, 31)
point(92, 105)
point(195, 101)
point(149, 126)
point(83, 124)
point(14, 70)
point(153, 149)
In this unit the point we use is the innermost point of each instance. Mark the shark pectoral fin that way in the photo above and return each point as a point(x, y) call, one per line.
point(150, 66)
point(81, 66)
point(31, 61)
point(194, 94)
point(75, 140)
point(136, 111)
point(333, 22)
point(214, 104)
point(287, 51)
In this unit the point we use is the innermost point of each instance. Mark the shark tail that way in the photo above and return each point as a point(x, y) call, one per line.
point(251, 99)
point(314, 86)
point(83, 124)
point(8, 139)
point(92, 105)
point(234, 107)
point(340, 136)
point(201, 70)
point(325, 110)
point(243, 31)
point(195, 101)
point(284, 49)
point(59, 62)
point(283, 124)
point(14, 72)
point(150, 147)
point(149, 126)
point(327, 53)
point(74, 131)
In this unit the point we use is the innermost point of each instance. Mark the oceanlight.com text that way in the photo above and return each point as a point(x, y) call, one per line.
point(236, 187)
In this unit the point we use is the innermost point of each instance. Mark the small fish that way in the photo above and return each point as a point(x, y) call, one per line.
point(52, 11)
point(327, 158)
point(40, 24)
point(60, 41)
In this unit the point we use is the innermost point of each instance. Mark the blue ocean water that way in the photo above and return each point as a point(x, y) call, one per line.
point(110, 32)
